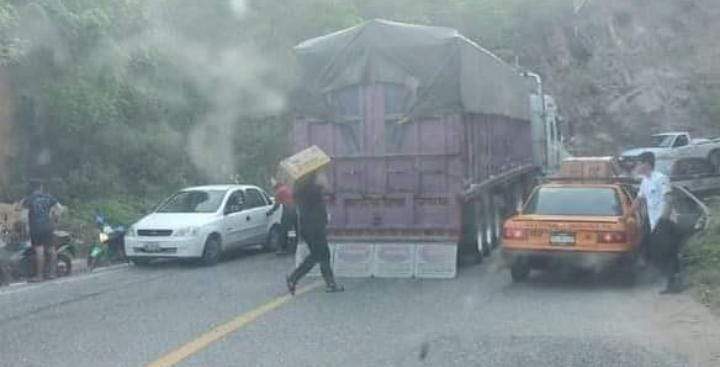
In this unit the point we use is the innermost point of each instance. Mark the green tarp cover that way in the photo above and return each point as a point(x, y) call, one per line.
point(444, 71)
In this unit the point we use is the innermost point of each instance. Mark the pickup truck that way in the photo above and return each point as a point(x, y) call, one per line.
point(676, 145)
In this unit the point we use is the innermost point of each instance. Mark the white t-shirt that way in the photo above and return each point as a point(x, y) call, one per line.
point(653, 189)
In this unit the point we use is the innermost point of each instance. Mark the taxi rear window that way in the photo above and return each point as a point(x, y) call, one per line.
point(578, 201)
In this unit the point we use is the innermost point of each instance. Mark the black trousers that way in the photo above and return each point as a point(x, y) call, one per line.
point(665, 248)
point(319, 254)
point(288, 221)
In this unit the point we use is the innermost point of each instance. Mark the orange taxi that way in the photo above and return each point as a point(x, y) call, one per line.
point(579, 220)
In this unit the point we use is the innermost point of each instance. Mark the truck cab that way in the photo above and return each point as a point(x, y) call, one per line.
point(677, 145)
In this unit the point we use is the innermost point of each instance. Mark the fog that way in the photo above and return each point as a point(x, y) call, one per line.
point(228, 75)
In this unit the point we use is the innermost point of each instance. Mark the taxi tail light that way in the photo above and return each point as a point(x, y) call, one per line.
point(514, 233)
point(612, 237)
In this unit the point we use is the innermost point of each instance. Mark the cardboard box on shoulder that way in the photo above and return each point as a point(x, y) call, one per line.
point(589, 168)
point(303, 163)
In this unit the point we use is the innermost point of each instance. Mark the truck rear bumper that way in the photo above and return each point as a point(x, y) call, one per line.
point(397, 259)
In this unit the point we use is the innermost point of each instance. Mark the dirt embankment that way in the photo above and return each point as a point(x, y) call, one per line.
point(624, 69)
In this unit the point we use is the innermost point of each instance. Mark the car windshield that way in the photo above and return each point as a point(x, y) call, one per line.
point(193, 202)
point(580, 201)
point(663, 141)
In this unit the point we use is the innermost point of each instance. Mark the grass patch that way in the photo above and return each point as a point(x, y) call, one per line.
point(702, 257)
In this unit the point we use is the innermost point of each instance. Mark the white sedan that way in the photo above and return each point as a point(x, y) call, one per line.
point(202, 222)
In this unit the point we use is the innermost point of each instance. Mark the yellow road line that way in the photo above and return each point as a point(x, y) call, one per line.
point(203, 341)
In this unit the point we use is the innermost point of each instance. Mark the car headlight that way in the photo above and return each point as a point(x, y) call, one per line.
point(131, 232)
point(186, 232)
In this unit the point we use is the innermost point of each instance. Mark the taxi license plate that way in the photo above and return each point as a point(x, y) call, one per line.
point(562, 239)
point(151, 247)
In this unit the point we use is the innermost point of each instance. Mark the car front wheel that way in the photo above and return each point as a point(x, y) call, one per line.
point(273, 240)
point(212, 251)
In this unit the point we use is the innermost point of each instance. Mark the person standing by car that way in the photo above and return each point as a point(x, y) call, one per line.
point(313, 228)
point(288, 221)
point(42, 219)
point(655, 191)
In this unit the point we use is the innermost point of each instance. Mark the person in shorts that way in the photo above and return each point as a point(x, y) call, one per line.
point(42, 222)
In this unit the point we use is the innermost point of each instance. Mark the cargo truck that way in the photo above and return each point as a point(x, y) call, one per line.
point(432, 144)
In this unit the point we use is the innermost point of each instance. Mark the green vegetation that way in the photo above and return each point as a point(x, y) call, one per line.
point(125, 100)
point(117, 101)
point(702, 255)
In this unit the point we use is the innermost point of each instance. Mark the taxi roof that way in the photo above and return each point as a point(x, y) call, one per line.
point(588, 170)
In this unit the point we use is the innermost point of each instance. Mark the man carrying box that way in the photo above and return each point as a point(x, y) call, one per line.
point(313, 228)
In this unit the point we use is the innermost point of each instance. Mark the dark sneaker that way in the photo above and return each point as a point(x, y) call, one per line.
point(333, 288)
point(290, 285)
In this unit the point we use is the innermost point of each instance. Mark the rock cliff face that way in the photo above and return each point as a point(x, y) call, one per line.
point(625, 69)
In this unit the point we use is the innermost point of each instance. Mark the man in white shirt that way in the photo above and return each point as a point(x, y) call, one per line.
point(655, 192)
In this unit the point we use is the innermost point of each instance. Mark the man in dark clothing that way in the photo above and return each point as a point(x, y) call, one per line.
point(665, 252)
point(42, 225)
point(288, 221)
point(313, 228)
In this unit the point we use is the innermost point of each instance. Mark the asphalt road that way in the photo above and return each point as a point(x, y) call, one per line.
point(135, 316)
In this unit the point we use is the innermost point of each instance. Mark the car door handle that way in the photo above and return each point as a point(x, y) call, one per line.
point(248, 218)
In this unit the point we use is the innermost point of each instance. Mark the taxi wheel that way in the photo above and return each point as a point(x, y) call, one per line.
point(629, 270)
point(519, 271)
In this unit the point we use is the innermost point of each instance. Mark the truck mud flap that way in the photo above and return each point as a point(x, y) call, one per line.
point(430, 260)
point(394, 260)
point(436, 260)
point(353, 260)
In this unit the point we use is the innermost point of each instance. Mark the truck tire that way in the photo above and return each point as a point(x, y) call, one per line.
point(483, 243)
